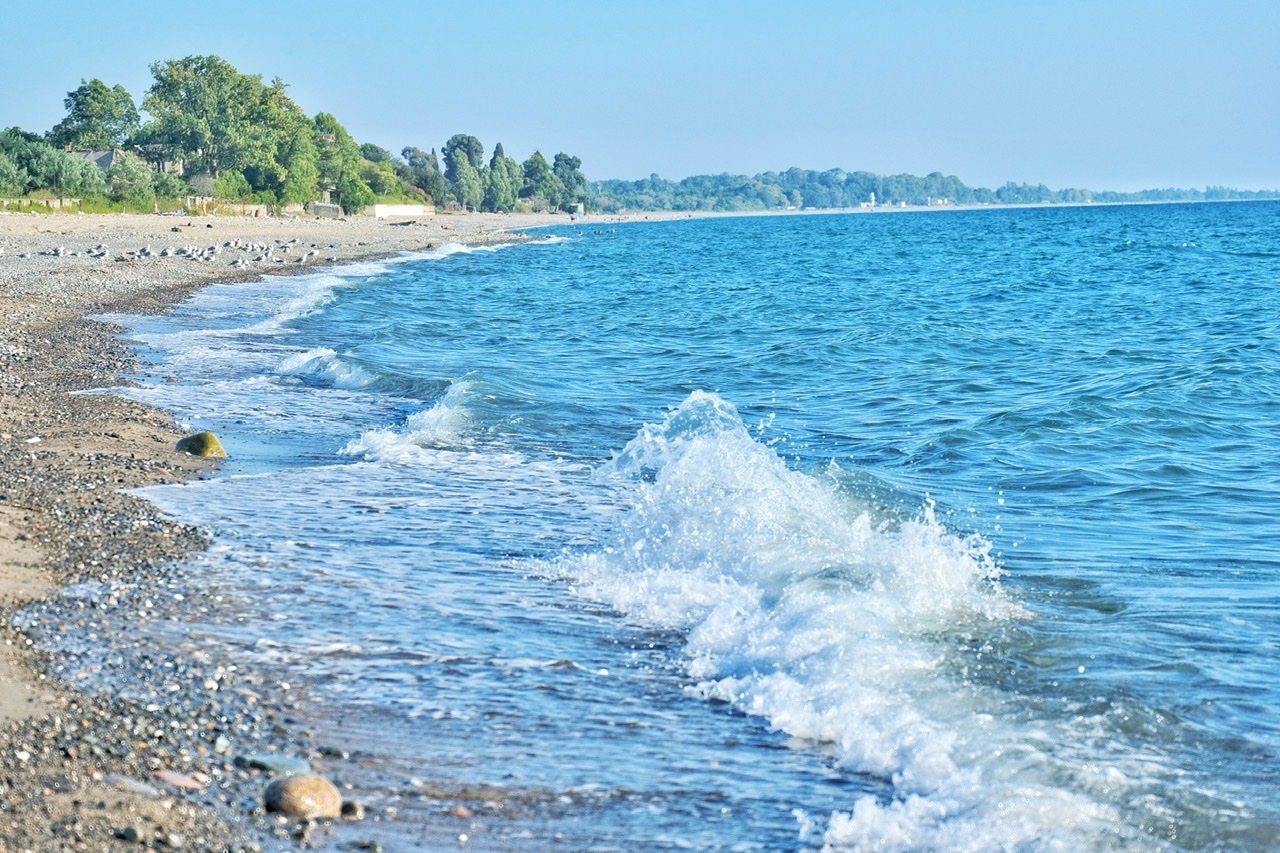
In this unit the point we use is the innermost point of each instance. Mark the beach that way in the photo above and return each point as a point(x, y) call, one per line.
point(839, 532)
point(84, 772)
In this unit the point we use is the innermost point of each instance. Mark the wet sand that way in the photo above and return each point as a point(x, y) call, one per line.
point(153, 762)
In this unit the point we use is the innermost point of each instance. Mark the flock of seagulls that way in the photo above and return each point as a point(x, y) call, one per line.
point(275, 252)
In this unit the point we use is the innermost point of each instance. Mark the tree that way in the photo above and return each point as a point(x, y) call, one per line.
point(129, 179)
point(424, 173)
point(540, 182)
point(576, 189)
point(381, 178)
point(468, 188)
point(339, 164)
point(13, 180)
point(97, 117)
point(37, 165)
point(168, 185)
point(233, 186)
point(374, 154)
point(461, 146)
point(504, 182)
point(287, 166)
point(209, 114)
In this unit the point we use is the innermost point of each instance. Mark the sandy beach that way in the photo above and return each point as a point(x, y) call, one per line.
point(107, 770)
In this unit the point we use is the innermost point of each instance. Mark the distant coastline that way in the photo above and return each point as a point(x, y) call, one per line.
point(804, 189)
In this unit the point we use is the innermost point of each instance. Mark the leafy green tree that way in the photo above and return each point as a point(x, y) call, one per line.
point(130, 179)
point(576, 189)
point(468, 188)
point(339, 164)
point(382, 178)
point(232, 185)
point(208, 114)
point(98, 117)
point(423, 169)
point(540, 182)
point(459, 147)
point(168, 185)
point(13, 180)
point(37, 165)
point(503, 181)
point(374, 154)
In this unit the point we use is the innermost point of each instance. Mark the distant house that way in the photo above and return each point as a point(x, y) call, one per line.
point(104, 160)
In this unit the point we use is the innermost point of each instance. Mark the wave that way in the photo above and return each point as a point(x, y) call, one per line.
point(839, 628)
point(442, 425)
point(324, 365)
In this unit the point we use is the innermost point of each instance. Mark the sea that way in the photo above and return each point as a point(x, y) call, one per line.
point(933, 530)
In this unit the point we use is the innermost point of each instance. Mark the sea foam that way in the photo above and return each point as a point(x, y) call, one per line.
point(801, 607)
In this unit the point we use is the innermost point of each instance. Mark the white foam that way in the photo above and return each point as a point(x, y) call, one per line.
point(800, 607)
point(324, 364)
point(444, 424)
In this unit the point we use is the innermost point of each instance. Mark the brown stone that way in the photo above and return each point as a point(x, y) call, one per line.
point(303, 797)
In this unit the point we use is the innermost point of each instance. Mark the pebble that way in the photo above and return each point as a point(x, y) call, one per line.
point(203, 444)
point(280, 765)
point(305, 796)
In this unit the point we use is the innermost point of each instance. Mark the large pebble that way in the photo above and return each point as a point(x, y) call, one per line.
point(203, 444)
point(304, 797)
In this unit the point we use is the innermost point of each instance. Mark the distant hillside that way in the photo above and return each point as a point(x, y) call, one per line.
point(836, 188)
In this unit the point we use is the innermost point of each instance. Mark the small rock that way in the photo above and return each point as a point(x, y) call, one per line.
point(204, 445)
point(280, 765)
point(180, 780)
point(132, 786)
point(303, 797)
point(352, 810)
point(130, 834)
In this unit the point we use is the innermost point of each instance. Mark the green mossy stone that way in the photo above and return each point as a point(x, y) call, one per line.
point(203, 444)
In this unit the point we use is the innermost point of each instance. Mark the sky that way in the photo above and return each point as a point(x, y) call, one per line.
point(1097, 94)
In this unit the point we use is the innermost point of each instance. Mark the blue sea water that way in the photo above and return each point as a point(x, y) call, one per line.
point(948, 530)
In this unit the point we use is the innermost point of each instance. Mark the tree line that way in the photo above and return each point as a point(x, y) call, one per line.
point(836, 188)
point(212, 130)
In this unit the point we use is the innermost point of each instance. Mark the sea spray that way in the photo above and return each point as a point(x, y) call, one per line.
point(798, 607)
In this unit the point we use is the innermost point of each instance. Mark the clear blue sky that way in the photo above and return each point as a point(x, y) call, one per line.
point(1101, 94)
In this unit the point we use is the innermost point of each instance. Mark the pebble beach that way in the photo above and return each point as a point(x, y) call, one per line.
point(180, 758)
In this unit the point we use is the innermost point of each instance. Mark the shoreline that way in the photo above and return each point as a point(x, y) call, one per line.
point(81, 770)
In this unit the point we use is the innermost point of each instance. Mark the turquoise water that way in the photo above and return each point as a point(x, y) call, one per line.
point(948, 530)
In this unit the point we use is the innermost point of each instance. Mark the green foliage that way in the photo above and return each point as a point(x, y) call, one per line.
point(298, 156)
point(13, 180)
point(503, 181)
point(542, 188)
point(576, 189)
point(461, 147)
point(422, 170)
point(206, 112)
point(468, 187)
point(34, 165)
point(339, 163)
point(374, 154)
point(131, 179)
point(166, 185)
point(232, 185)
point(381, 177)
point(98, 117)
